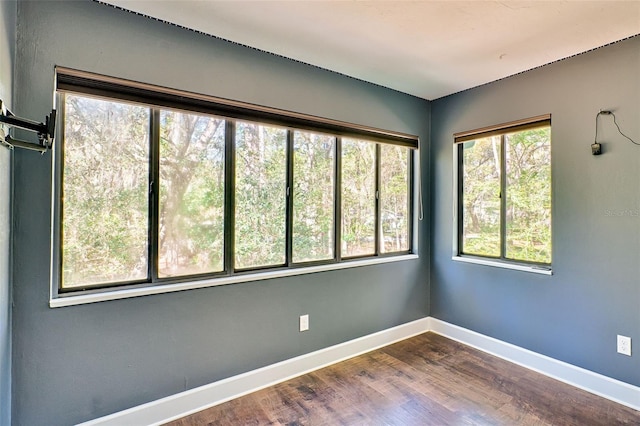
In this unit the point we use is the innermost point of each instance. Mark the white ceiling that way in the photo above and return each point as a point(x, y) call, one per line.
point(425, 48)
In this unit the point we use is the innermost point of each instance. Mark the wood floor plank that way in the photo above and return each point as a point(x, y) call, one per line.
point(425, 380)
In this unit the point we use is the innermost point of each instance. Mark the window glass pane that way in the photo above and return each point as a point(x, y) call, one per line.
point(481, 197)
point(313, 189)
point(261, 178)
point(105, 183)
point(358, 197)
point(394, 198)
point(191, 232)
point(528, 172)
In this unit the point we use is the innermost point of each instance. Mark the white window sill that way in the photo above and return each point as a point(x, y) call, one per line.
point(505, 265)
point(115, 294)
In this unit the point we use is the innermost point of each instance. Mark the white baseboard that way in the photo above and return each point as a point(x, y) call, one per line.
point(194, 400)
point(184, 403)
point(606, 387)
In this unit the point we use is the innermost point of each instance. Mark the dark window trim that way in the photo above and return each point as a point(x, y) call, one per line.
point(290, 154)
point(337, 202)
point(504, 128)
point(154, 196)
point(378, 236)
point(229, 197)
point(93, 84)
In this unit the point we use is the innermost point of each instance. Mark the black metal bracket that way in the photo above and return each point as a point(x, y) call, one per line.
point(44, 130)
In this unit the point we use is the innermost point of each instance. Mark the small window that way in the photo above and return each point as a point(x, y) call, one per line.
point(504, 192)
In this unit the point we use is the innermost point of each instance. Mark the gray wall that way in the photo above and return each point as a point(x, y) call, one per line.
point(76, 363)
point(594, 294)
point(7, 54)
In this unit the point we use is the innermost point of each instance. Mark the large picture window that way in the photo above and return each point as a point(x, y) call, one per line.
point(157, 188)
point(504, 192)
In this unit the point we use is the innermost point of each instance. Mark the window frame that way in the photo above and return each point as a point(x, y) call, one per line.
point(159, 98)
point(501, 130)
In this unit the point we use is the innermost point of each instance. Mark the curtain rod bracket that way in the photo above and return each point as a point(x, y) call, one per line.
point(44, 130)
point(12, 143)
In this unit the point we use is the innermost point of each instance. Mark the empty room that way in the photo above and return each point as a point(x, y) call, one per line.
point(319, 212)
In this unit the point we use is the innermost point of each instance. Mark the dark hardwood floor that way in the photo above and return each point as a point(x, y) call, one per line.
point(424, 380)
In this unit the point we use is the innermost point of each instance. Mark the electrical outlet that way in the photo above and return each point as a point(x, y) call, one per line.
point(624, 345)
point(304, 322)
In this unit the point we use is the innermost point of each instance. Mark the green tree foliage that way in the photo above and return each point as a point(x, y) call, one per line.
point(261, 179)
point(394, 198)
point(481, 197)
point(529, 195)
point(358, 197)
point(191, 232)
point(313, 197)
point(105, 187)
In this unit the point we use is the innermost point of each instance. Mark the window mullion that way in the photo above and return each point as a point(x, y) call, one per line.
point(229, 195)
point(289, 199)
point(378, 219)
point(154, 195)
point(337, 200)
point(503, 197)
point(59, 176)
point(460, 195)
point(411, 198)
